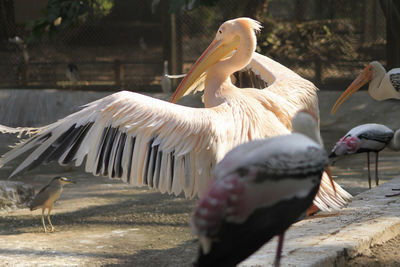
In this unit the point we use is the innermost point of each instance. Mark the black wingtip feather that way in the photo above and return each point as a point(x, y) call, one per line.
point(117, 168)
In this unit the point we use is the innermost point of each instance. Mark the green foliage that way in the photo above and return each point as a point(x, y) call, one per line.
point(65, 13)
point(177, 5)
point(320, 39)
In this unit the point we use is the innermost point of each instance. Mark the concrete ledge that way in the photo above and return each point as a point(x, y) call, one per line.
point(15, 195)
point(370, 219)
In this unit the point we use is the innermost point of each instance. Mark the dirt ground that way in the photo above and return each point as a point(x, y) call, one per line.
point(102, 222)
point(387, 254)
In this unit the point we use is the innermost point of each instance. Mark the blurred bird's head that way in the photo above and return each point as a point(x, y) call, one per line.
point(346, 145)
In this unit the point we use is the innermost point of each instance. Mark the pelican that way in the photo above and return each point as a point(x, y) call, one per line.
point(370, 137)
point(172, 148)
point(241, 209)
point(382, 85)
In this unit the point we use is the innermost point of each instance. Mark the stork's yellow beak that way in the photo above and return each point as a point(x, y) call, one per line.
point(364, 77)
point(216, 51)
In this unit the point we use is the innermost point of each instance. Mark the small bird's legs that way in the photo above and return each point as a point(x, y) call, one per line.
point(48, 219)
point(44, 225)
point(279, 250)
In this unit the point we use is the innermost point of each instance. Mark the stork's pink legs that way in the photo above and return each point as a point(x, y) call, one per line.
point(279, 250)
point(376, 168)
point(369, 175)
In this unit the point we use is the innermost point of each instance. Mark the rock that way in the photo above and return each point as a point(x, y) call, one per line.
point(14, 195)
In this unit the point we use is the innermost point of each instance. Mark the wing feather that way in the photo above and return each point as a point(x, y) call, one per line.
point(142, 140)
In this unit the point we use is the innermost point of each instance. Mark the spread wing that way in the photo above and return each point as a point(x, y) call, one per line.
point(139, 139)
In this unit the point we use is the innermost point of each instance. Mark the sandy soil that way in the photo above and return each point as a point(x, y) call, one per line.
point(385, 255)
point(100, 222)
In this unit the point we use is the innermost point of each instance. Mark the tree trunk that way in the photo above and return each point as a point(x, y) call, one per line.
point(7, 19)
point(391, 9)
point(255, 9)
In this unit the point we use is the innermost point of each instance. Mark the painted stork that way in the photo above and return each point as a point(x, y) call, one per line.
point(172, 148)
point(382, 85)
point(368, 138)
point(241, 210)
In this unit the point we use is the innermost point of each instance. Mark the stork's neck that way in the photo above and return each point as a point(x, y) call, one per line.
point(220, 72)
point(395, 142)
point(374, 86)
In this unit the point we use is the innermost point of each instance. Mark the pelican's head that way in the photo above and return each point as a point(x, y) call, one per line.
point(369, 73)
point(225, 42)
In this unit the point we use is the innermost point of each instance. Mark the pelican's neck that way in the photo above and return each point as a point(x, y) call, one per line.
point(395, 142)
point(374, 86)
point(220, 72)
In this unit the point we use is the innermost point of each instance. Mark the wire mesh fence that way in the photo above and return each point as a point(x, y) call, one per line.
point(123, 44)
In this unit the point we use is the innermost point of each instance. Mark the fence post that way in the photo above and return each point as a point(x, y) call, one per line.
point(25, 74)
point(176, 47)
point(119, 73)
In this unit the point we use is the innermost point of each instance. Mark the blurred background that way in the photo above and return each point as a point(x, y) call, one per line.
point(123, 44)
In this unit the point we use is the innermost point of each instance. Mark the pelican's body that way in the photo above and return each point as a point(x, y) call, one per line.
point(382, 85)
point(368, 138)
point(172, 148)
point(241, 209)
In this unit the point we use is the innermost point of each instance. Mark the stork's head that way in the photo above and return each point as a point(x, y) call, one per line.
point(225, 42)
point(369, 73)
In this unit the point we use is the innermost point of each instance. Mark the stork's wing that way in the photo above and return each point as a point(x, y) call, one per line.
point(142, 140)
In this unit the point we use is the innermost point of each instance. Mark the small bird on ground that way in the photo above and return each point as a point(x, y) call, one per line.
point(47, 196)
point(260, 188)
point(370, 137)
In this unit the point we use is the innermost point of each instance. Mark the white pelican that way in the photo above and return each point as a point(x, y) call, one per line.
point(370, 137)
point(242, 209)
point(382, 85)
point(172, 148)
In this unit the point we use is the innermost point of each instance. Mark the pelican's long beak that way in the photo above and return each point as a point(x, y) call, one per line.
point(364, 77)
point(216, 51)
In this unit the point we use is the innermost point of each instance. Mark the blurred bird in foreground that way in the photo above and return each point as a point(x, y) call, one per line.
point(47, 196)
point(368, 138)
point(260, 188)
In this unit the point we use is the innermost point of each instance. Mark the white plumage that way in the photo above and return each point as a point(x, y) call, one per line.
point(382, 85)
